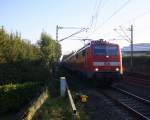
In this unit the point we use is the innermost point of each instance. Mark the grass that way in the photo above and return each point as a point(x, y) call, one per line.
point(81, 107)
point(54, 109)
point(36, 105)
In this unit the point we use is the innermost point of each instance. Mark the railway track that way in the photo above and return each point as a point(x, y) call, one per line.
point(138, 81)
point(138, 75)
point(137, 78)
point(101, 104)
point(138, 106)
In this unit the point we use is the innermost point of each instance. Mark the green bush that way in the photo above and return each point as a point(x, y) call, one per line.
point(24, 68)
point(15, 96)
point(22, 72)
point(21, 61)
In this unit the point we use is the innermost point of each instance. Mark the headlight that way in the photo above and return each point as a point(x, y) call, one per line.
point(107, 56)
point(117, 69)
point(96, 69)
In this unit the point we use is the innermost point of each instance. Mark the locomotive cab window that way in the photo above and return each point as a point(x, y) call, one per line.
point(106, 50)
point(100, 50)
point(112, 50)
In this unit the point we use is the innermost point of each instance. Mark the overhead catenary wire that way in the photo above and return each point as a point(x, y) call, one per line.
point(121, 35)
point(90, 24)
point(137, 17)
point(114, 13)
point(124, 32)
point(92, 16)
point(97, 12)
point(95, 15)
point(83, 29)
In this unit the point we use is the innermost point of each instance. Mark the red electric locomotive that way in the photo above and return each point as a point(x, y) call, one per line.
point(98, 61)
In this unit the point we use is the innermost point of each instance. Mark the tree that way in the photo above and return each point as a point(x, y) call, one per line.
point(15, 49)
point(51, 50)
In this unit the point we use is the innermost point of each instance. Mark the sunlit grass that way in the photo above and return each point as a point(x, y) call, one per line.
point(36, 105)
point(11, 86)
point(54, 109)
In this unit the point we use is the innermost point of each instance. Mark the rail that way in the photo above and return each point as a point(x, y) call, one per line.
point(139, 109)
point(147, 102)
point(135, 113)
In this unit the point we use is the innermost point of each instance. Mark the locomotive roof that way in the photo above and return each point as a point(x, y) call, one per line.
point(101, 41)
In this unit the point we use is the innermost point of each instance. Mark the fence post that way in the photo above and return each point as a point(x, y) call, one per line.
point(62, 86)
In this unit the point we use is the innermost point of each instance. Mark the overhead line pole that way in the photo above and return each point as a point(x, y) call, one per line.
point(57, 33)
point(124, 32)
point(121, 35)
point(58, 27)
point(131, 47)
point(72, 35)
point(131, 44)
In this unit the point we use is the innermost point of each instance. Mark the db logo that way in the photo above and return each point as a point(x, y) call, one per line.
point(107, 64)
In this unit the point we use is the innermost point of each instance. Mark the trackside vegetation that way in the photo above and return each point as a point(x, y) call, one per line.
point(55, 107)
point(25, 69)
point(141, 64)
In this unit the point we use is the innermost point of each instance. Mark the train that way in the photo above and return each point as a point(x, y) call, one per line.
point(98, 61)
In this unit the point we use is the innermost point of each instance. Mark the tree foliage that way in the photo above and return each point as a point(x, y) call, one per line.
point(51, 50)
point(21, 61)
point(15, 49)
point(22, 73)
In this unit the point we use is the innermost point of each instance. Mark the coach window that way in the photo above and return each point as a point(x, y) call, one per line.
point(83, 53)
point(77, 56)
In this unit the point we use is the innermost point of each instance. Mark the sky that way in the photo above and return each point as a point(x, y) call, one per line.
point(106, 19)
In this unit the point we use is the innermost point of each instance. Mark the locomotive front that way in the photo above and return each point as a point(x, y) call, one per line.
point(106, 62)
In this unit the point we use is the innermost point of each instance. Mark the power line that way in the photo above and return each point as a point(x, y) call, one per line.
point(97, 9)
point(140, 16)
point(83, 29)
point(121, 35)
point(92, 16)
point(124, 32)
point(97, 12)
point(114, 13)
